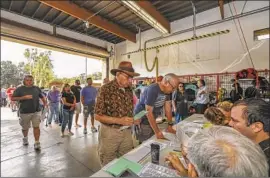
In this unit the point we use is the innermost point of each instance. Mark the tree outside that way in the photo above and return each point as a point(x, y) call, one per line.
point(12, 74)
point(39, 65)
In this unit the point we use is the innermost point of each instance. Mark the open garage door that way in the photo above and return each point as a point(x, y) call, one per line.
point(20, 33)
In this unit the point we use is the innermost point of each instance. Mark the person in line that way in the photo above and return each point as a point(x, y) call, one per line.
point(153, 99)
point(216, 117)
point(54, 101)
point(106, 80)
point(251, 117)
point(180, 103)
point(114, 109)
point(3, 97)
point(76, 89)
point(88, 98)
point(29, 111)
point(220, 152)
point(69, 104)
point(42, 107)
point(202, 97)
point(12, 104)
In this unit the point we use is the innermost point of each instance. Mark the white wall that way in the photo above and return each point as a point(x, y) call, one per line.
point(216, 52)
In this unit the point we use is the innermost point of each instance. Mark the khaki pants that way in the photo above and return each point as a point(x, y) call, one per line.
point(113, 143)
point(26, 119)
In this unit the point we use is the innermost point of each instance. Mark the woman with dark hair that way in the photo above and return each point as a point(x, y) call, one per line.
point(202, 97)
point(69, 103)
point(180, 104)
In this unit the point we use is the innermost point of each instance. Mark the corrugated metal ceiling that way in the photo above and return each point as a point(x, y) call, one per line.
point(114, 12)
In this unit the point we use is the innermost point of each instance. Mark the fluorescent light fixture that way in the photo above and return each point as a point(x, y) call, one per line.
point(145, 16)
point(263, 37)
point(261, 34)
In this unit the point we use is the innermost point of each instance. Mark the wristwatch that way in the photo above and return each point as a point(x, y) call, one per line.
point(170, 123)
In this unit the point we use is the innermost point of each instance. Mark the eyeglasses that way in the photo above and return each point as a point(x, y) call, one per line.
point(28, 80)
point(173, 87)
point(181, 86)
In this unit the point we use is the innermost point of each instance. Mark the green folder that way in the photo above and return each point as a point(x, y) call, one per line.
point(140, 115)
point(123, 164)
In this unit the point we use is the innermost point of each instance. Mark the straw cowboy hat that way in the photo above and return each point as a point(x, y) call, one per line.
point(125, 67)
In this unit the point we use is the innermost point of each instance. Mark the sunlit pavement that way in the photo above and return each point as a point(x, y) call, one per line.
point(71, 156)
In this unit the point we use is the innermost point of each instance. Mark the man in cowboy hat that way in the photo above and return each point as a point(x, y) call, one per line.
point(114, 109)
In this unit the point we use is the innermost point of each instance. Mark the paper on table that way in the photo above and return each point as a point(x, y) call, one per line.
point(154, 170)
point(123, 164)
point(138, 154)
point(169, 136)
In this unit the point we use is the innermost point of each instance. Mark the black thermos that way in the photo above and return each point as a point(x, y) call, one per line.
point(155, 149)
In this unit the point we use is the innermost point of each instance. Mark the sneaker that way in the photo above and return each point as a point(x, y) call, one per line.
point(93, 129)
point(85, 131)
point(25, 141)
point(37, 146)
point(60, 124)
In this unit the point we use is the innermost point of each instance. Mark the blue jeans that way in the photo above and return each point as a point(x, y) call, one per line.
point(179, 117)
point(54, 112)
point(67, 118)
point(61, 113)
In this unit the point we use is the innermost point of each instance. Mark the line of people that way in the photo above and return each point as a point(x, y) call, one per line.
point(34, 102)
point(69, 102)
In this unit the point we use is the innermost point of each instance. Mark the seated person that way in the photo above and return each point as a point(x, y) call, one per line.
point(251, 117)
point(225, 107)
point(216, 117)
point(221, 152)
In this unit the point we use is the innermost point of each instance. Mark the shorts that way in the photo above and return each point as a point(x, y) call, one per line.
point(26, 119)
point(78, 108)
point(88, 109)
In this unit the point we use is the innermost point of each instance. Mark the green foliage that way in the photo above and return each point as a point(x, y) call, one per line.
point(12, 74)
point(96, 76)
point(40, 66)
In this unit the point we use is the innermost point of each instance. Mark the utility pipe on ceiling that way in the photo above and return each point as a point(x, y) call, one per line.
point(155, 63)
point(210, 24)
point(194, 19)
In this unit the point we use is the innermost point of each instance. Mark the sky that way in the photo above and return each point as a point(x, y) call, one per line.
point(65, 65)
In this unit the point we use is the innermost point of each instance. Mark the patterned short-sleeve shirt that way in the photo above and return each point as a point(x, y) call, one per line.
point(114, 101)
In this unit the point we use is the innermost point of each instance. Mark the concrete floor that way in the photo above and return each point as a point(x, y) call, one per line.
point(71, 156)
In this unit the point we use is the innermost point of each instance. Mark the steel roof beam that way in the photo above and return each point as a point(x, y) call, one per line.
point(83, 14)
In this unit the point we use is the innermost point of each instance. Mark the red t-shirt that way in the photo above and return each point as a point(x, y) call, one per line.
point(10, 92)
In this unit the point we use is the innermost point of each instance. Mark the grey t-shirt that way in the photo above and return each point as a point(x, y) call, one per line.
point(30, 105)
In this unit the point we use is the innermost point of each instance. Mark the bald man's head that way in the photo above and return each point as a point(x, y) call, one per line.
point(169, 83)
